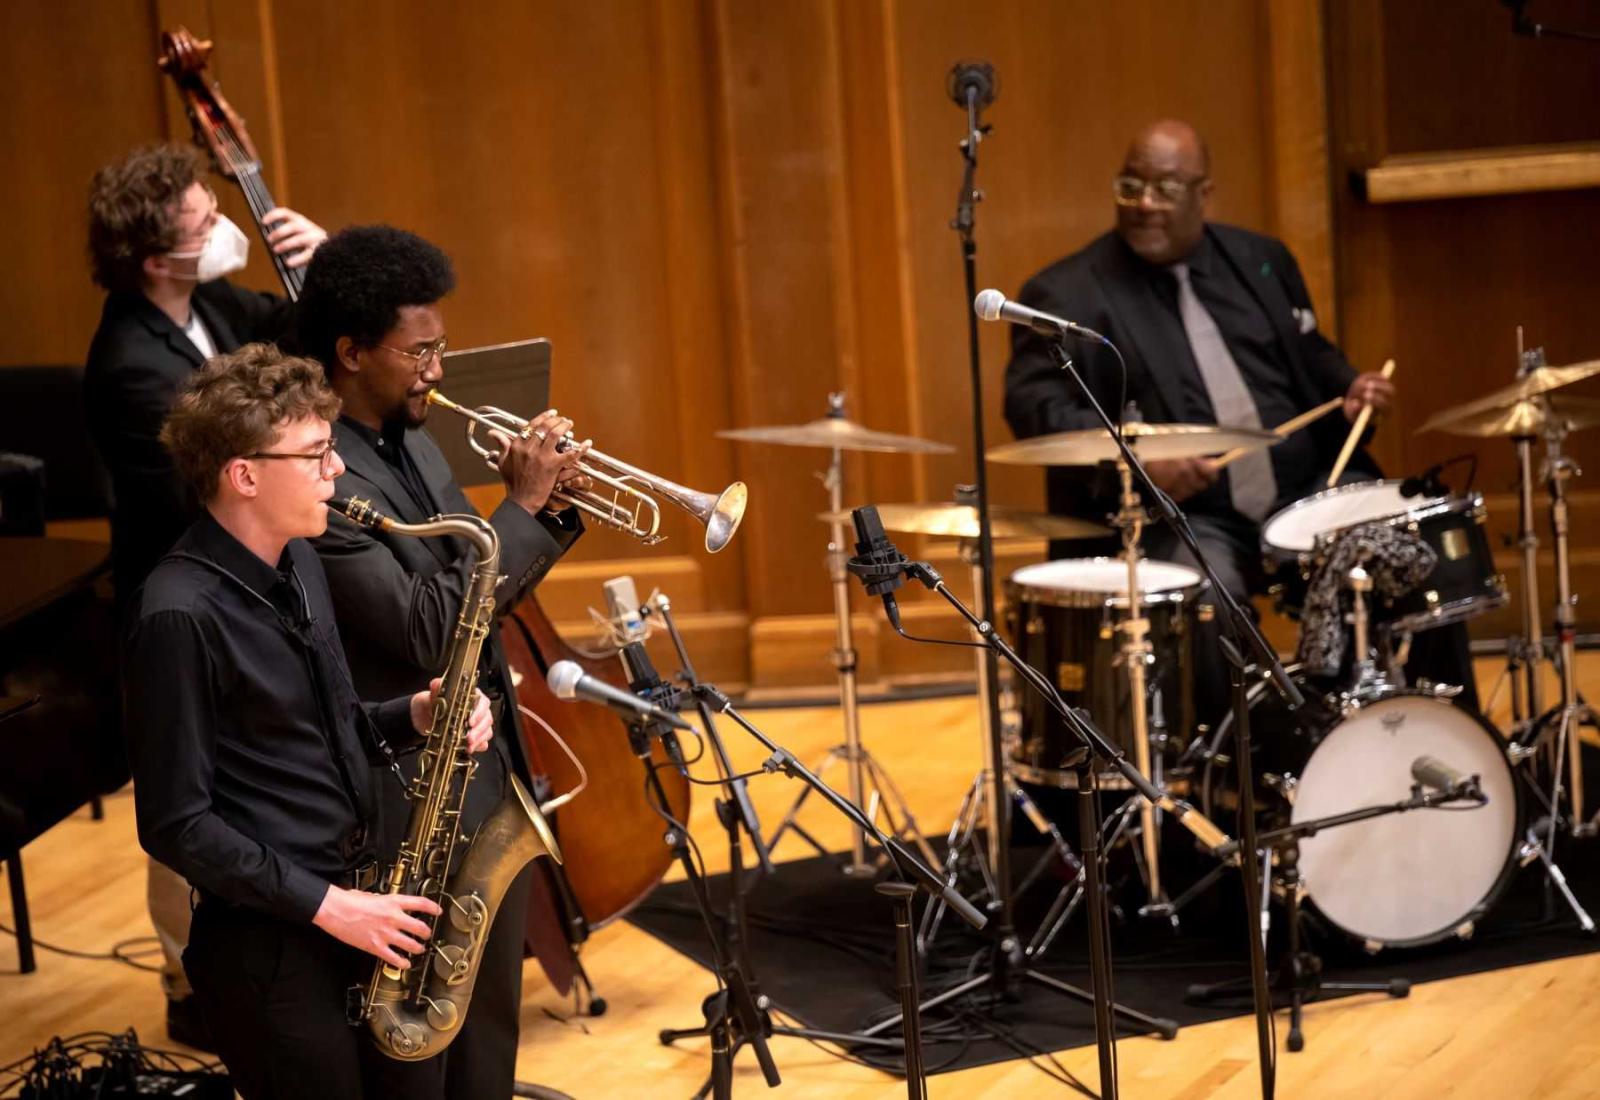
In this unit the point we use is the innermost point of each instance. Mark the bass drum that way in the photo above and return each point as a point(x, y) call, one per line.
point(1400, 880)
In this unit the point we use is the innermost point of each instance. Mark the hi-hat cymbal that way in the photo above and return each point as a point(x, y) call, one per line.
point(836, 431)
point(1149, 441)
point(1530, 417)
point(961, 521)
point(1529, 386)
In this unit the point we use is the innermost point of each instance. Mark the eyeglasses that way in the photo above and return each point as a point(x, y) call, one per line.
point(430, 354)
point(324, 456)
point(1165, 193)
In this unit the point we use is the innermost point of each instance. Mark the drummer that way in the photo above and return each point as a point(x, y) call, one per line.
point(1217, 327)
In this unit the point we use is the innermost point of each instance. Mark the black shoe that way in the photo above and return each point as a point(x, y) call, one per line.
point(186, 1024)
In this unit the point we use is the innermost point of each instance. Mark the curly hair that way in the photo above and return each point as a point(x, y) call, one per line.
point(132, 208)
point(236, 404)
point(358, 281)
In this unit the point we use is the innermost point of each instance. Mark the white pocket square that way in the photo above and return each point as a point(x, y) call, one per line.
point(1306, 319)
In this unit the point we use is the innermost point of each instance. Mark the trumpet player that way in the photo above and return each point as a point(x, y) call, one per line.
point(371, 314)
point(249, 750)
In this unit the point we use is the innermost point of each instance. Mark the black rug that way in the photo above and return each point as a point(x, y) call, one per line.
point(822, 948)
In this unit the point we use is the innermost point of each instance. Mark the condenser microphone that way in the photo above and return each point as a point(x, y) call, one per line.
point(1425, 484)
point(991, 305)
point(1434, 773)
point(568, 681)
point(972, 83)
point(878, 563)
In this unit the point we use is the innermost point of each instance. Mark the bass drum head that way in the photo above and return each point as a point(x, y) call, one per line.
point(1409, 878)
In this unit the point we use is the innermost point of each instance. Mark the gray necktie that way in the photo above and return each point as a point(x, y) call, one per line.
point(1250, 481)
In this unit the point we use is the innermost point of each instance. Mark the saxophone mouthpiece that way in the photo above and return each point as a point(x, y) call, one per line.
point(360, 512)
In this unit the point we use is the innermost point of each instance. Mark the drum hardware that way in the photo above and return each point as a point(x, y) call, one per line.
point(1526, 410)
point(1008, 960)
point(1363, 418)
point(977, 809)
point(1169, 441)
point(736, 1015)
point(863, 772)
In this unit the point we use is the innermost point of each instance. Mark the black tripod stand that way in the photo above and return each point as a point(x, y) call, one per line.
point(737, 1013)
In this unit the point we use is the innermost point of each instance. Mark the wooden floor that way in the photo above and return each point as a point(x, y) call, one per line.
point(1531, 1032)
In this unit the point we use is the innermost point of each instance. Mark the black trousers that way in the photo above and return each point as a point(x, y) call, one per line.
point(274, 996)
point(482, 1060)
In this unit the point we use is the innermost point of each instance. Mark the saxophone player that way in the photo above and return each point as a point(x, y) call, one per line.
point(250, 749)
point(370, 313)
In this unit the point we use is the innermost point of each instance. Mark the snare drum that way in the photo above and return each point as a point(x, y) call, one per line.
point(1063, 617)
point(1464, 583)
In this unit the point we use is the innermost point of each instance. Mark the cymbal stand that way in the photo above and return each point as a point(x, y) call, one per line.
point(978, 809)
point(1558, 467)
point(1525, 654)
point(861, 769)
point(1136, 658)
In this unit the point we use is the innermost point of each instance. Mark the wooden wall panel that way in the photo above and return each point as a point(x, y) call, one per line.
point(82, 91)
point(1442, 285)
point(720, 211)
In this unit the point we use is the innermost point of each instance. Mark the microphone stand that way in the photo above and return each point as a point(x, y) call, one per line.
point(972, 86)
point(1247, 643)
point(913, 875)
point(737, 1014)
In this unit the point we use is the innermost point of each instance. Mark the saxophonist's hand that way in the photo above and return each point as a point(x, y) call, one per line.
point(480, 727)
point(376, 923)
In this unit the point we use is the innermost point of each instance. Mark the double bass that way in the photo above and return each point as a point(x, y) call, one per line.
point(611, 835)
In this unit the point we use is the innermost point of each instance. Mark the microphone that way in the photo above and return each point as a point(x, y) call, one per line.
point(991, 305)
point(878, 563)
point(624, 619)
point(1426, 483)
point(1432, 772)
point(568, 681)
point(975, 79)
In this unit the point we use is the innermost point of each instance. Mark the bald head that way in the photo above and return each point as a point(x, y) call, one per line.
point(1165, 223)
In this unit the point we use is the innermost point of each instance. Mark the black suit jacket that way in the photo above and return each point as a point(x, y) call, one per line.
point(398, 597)
point(137, 361)
point(1106, 287)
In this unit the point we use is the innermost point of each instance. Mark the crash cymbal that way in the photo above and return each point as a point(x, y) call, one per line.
point(1530, 417)
point(1529, 386)
point(836, 431)
point(961, 521)
point(1149, 441)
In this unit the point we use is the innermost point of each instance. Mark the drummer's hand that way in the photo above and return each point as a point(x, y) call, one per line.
point(1182, 478)
point(1372, 389)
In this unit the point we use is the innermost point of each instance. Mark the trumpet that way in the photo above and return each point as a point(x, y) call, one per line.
point(631, 505)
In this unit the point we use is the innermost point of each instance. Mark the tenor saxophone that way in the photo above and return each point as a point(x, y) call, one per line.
point(415, 1013)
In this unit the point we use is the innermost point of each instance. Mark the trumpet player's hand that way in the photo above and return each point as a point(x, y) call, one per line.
point(379, 924)
point(480, 727)
point(571, 479)
point(530, 462)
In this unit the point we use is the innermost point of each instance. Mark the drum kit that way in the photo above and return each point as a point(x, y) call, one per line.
point(1119, 638)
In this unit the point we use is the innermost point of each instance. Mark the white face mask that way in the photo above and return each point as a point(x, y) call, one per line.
point(226, 251)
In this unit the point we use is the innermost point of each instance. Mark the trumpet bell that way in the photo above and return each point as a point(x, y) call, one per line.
point(722, 518)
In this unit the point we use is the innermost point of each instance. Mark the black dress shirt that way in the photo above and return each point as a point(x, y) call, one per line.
point(390, 445)
point(250, 750)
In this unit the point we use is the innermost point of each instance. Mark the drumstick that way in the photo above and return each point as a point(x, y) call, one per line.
point(1287, 428)
point(1355, 432)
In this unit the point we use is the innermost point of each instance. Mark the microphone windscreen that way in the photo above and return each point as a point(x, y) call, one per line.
point(988, 304)
point(563, 679)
